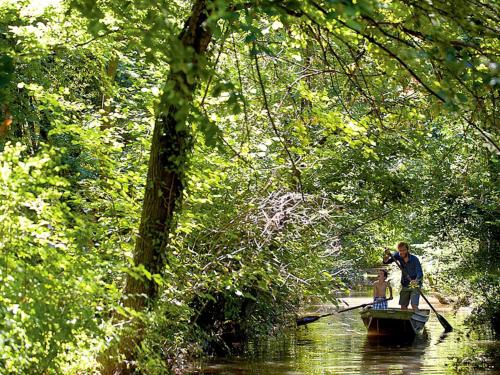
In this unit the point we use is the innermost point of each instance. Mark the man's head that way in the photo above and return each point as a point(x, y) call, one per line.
point(404, 249)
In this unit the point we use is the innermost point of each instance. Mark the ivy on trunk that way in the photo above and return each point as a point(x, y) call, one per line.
point(170, 149)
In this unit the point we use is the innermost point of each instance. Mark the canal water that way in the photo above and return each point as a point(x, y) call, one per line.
point(338, 345)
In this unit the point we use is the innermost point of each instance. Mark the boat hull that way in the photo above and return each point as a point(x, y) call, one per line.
point(394, 322)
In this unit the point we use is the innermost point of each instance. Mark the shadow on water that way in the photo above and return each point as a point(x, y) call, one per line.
point(443, 336)
point(385, 355)
point(418, 341)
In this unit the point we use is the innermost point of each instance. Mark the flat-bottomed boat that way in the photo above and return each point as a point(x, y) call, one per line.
point(394, 322)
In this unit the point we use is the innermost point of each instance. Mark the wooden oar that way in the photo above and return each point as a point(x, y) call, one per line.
point(312, 318)
point(447, 326)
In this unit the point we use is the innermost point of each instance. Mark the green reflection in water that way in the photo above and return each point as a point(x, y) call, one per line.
point(339, 345)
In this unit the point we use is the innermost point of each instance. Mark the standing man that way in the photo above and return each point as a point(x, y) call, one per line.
point(411, 276)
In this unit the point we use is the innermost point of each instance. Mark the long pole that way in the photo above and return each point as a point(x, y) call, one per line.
point(312, 318)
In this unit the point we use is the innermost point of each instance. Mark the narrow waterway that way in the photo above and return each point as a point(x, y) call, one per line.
point(338, 345)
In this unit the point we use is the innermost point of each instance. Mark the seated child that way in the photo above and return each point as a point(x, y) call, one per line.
point(379, 291)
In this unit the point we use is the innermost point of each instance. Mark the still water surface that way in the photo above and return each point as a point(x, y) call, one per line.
point(338, 345)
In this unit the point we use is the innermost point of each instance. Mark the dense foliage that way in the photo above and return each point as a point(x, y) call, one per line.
point(177, 177)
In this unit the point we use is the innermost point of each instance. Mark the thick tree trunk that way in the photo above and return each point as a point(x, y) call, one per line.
point(170, 148)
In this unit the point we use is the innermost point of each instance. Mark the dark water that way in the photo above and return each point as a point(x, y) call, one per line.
point(338, 345)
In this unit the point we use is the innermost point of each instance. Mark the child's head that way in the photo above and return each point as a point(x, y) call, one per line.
point(382, 273)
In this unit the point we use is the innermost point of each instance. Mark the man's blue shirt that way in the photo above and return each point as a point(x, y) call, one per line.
point(413, 268)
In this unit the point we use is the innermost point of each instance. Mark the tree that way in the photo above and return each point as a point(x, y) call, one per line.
point(170, 147)
point(345, 119)
point(392, 38)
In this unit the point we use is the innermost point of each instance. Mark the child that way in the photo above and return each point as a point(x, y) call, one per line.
point(379, 291)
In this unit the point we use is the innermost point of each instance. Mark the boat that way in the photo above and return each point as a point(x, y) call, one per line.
point(394, 322)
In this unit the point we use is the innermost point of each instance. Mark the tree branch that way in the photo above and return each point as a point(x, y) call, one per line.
point(295, 170)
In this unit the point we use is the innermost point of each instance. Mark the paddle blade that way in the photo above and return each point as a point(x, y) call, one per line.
point(306, 320)
point(447, 326)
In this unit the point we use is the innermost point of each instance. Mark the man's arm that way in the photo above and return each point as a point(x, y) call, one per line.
point(387, 257)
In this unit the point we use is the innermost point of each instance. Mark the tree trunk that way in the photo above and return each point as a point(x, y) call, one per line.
point(170, 148)
point(108, 83)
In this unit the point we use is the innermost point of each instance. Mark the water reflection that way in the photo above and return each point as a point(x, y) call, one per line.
point(387, 355)
point(339, 345)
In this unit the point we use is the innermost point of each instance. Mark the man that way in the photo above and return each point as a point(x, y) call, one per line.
point(411, 275)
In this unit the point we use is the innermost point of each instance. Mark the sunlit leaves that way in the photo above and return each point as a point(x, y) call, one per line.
point(365, 106)
point(46, 279)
